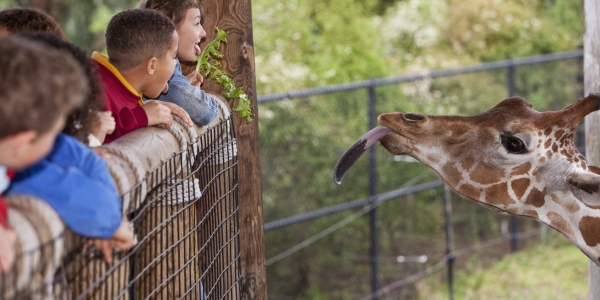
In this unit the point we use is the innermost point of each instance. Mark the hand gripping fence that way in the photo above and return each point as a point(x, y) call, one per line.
point(179, 191)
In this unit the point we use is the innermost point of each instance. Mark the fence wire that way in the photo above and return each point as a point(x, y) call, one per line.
point(184, 215)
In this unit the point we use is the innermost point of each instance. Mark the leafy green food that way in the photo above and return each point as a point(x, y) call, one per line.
point(209, 64)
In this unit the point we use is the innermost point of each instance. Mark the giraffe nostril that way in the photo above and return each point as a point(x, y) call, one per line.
point(414, 117)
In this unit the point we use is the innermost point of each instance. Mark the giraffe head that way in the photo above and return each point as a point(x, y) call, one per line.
point(510, 158)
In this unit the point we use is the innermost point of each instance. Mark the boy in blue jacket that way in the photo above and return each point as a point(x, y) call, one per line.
point(66, 174)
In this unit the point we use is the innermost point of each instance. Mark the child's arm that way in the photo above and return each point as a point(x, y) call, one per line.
point(102, 124)
point(126, 120)
point(7, 248)
point(7, 239)
point(76, 183)
point(201, 106)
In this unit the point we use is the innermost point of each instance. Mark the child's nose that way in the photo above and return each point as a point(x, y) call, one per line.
point(202, 32)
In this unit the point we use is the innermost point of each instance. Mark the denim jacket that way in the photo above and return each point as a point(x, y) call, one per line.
point(199, 105)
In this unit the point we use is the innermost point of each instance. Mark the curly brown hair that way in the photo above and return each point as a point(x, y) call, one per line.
point(173, 9)
point(136, 35)
point(39, 85)
point(23, 19)
point(80, 121)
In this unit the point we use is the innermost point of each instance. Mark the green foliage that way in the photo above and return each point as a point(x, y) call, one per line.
point(209, 64)
point(518, 276)
point(84, 22)
point(297, 43)
point(305, 43)
point(439, 34)
point(308, 43)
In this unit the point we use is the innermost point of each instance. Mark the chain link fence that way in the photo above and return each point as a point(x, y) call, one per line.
point(184, 213)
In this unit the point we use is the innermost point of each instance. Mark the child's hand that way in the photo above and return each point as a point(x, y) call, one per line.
point(157, 113)
point(180, 112)
point(103, 123)
point(123, 237)
point(8, 237)
point(122, 240)
point(195, 79)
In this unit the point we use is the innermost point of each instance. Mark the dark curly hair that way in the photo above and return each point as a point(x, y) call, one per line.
point(80, 121)
point(136, 35)
point(24, 19)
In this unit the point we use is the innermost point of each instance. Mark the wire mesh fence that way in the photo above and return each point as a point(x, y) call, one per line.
point(184, 214)
point(320, 241)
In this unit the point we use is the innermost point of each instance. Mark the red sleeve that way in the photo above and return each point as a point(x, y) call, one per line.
point(3, 205)
point(127, 120)
point(3, 212)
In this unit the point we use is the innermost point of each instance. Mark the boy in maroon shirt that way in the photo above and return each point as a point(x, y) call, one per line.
point(142, 51)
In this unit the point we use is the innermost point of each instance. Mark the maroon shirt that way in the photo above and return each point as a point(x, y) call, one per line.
point(123, 104)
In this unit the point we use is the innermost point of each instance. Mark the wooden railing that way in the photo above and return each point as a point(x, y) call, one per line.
point(179, 190)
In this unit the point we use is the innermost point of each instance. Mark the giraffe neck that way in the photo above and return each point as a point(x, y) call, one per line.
point(577, 221)
point(559, 209)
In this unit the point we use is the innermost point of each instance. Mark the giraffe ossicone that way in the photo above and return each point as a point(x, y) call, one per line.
point(511, 158)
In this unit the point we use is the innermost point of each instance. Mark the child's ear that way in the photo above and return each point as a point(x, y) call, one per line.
point(19, 141)
point(151, 65)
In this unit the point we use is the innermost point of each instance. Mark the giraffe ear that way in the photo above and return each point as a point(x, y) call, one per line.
point(585, 185)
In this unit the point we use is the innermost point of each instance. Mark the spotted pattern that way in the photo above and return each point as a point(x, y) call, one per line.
point(560, 224)
point(498, 194)
point(520, 186)
point(536, 197)
point(530, 183)
point(521, 169)
point(590, 230)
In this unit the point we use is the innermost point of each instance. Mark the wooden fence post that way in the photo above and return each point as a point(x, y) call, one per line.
point(235, 17)
point(591, 71)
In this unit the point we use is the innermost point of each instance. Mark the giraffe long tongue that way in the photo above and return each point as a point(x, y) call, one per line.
point(353, 153)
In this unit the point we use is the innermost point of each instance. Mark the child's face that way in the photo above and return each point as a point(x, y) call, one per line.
point(165, 67)
point(190, 33)
point(24, 149)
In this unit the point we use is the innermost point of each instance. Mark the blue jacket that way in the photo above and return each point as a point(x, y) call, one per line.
point(199, 105)
point(75, 181)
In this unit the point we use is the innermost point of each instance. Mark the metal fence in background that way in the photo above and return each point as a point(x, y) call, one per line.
point(301, 212)
point(184, 213)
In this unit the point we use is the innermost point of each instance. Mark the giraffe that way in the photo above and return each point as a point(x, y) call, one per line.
point(511, 159)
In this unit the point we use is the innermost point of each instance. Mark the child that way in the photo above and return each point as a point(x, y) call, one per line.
point(187, 15)
point(89, 123)
point(142, 48)
point(22, 19)
point(69, 176)
point(22, 141)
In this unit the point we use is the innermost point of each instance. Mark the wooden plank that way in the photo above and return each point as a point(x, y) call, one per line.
point(591, 70)
point(235, 17)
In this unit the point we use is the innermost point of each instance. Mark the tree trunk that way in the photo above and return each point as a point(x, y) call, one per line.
point(235, 17)
point(592, 121)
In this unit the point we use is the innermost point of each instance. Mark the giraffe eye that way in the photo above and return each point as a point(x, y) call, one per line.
point(513, 144)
